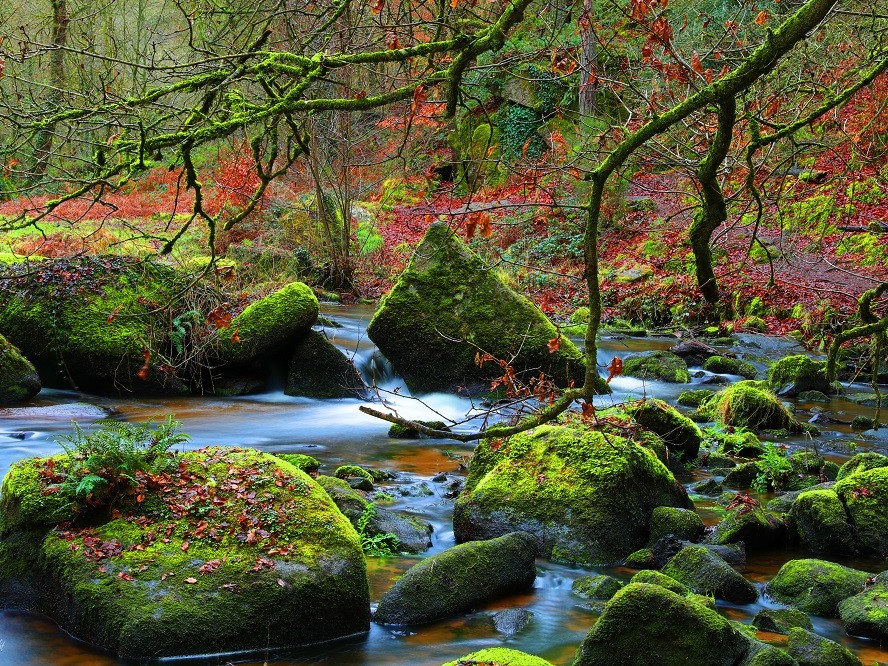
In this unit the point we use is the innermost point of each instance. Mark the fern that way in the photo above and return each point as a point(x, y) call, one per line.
point(375, 545)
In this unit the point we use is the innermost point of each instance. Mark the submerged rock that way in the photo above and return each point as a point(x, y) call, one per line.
point(459, 579)
point(815, 586)
point(448, 309)
point(586, 496)
point(154, 581)
point(18, 377)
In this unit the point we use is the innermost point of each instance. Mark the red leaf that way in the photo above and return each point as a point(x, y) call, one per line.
point(588, 410)
point(554, 344)
point(124, 576)
point(376, 6)
point(185, 546)
point(762, 18)
point(615, 369)
point(113, 315)
point(235, 337)
point(696, 64)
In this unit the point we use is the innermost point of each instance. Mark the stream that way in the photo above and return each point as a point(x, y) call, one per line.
point(336, 432)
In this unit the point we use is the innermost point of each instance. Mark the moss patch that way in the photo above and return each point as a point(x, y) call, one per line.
point(815, 586)
point(745, 406)
point(500, 657)
point(18, 377)
point(662, 365)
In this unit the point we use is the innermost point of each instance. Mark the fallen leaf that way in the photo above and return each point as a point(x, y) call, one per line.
point(191, 581)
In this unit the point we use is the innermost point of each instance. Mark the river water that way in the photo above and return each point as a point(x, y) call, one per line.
point(336, 432)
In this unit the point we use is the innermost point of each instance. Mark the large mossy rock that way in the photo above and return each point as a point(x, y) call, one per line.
point(815, 586)
point(865, 497)
point(319, 370)
point(792, 375)
point(819, 520)
point(113, 325)
point(662, 365)
point(866, 614)
point(648, 625)
point(587, 496)
point(678, 432)
point(706, 573)
point(236, 550)
point(460, 579)
point(744, 405)
point(756, 527)
point(18, 377)
point(809, 649)
point(862, 462)
point(447, 307)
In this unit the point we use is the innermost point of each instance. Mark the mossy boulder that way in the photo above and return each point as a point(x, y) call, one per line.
point(865, 496)
point(756, 527)
point(648, 625)
point(730, 366)
point(18, 377)
point(236, 540)
point(694, 398)
point(861, 462)
point(809, 649)
point(459, 579)
point(651, 577)
point(745, 406)
point(413, 534)
point(793, 374)
point(866, 614)
point(587, 497)
point(306, 463)
point(820, 523)
point(596, 587)
point(678, 432)
point(781, 620)
point(270, 324)
point(447, 308)
point(704, 572)
point(499, 657)
point(683, 523)
point(815, 586)
point(317, 369)
point(660, 365)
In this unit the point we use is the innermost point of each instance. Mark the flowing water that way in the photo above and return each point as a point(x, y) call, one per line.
point(335, 432)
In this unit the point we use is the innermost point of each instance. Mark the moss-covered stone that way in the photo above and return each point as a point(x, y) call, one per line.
point(319, 370)
point(648, 625)
point(643, 558)
point(741, 475)
point(730, 366)
point(815, 586)
point(660, 365)
point(819, 520)
point(706, 573)
point(736, 442)
point(793, 374)
point(345, 471)
point(813, 396)
point(694, 398)
point(447, 305)
point(651, 577)
point(781, 620)
point(680, 434)
point(596, 587)
point(861, 462)
point(499, 657)
point(460, 579)
point(758, 528)
point(242, 542)
point(769, 655)
point(18, 377)
point(269, 324)
point(588, 497)
point(744, 406)
point(865, 496)
point(809, 649)
point(866, 614)
point(683, 523)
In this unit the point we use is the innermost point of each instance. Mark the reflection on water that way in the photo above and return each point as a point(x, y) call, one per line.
point(335, 432)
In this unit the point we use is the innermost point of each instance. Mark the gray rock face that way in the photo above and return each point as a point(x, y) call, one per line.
point(460, 579)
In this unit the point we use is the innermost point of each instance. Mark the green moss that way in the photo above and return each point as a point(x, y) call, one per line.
point(345, 471)
point(781, 620)
point(307, 464)
point(706, 573)
point(643, 559)
point(815, 586)
point(651, 577)
point(865, 496)
point(866, 614)
point(588, 495)
point(267, 324)
point(249, 545)
point(398, 431)
point(648, 624)
point(24, 504)
point(694, 398)
point(744, 406)
point(683, 523)
point(680, 434)
point(809, 648)
point(861, 462)
point(662, 365)
point(756, 527)
point(447, 305)
point(821, 524)
point(580, 316)
point(500, 657)
point(18, 377)
point(731, 366)
point(596, 587)
point(794, 374)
